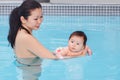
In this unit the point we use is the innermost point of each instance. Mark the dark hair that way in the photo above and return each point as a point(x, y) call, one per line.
point(14, 21)
point(81, 34)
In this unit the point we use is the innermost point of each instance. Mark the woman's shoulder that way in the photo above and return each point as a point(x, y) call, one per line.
point(25, 38)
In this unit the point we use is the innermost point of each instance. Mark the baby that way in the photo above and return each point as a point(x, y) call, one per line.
point(76, 46)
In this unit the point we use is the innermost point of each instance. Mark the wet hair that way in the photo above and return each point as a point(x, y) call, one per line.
point(14, 20)
point(79, 34)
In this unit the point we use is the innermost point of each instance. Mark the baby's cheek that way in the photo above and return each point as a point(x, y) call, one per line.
point(81, 47)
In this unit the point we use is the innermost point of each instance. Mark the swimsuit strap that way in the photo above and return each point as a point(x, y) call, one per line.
point(25, 29)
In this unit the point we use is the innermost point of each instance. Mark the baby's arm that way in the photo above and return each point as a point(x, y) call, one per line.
point(60, 52)
point(83, 52)
point(75, 54)
point(86, 50)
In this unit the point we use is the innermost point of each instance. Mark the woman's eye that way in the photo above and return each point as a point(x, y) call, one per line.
point(78, 44)
point(41, 16)
point(35, 19)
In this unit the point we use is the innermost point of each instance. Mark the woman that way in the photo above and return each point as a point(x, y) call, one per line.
point(28, 51)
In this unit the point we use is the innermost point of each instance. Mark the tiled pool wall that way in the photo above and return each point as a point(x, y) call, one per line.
point(81, 10)
point(69, 9)
point(86, 1)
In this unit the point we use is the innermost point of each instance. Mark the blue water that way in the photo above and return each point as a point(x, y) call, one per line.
point(103, 34)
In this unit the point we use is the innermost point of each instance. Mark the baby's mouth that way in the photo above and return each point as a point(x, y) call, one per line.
point(73, 49)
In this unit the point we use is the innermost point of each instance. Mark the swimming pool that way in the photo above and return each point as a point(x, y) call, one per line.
point(103, 34)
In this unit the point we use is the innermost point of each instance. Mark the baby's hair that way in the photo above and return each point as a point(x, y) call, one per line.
point(80, 34)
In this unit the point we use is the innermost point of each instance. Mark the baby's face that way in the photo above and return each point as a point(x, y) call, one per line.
point(75, 44)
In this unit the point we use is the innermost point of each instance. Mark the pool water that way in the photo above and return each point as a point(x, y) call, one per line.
point(103, 34)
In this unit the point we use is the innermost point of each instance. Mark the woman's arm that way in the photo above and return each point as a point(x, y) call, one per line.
point(34, 46)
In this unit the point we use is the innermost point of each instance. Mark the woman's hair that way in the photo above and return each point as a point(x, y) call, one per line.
point(14, 21)
point(80, 34)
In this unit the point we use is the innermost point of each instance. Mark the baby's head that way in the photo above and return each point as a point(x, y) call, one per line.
point(77, 41)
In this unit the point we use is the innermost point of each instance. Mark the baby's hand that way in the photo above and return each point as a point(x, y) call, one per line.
point(89, 51)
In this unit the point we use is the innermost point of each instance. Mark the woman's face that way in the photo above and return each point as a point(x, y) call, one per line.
point(34, 20)
point(75, 44)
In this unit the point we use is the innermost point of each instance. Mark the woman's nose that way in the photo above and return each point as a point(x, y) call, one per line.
point(40, 20)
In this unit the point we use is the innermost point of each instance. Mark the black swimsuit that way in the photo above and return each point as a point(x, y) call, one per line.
point(25, 29)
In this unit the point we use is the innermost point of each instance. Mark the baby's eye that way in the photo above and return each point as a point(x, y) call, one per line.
point(78, 43)
point(72, 41)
